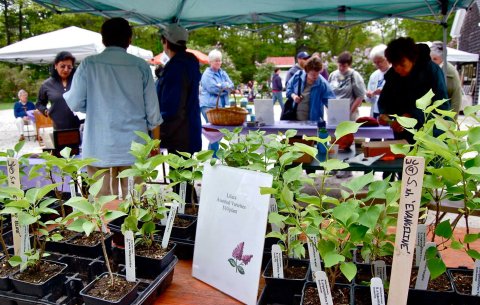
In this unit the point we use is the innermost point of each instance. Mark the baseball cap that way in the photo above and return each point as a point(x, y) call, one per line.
point(175, 34)
point(303, 55)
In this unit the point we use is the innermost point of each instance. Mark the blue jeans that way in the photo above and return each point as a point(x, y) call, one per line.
point(277, 96)
point(212, 146)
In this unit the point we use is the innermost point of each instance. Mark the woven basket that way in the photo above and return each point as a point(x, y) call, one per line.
point(232, 116)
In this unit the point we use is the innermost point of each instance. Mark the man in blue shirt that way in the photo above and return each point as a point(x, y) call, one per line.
point(116, 90)
point(177, 90)
point(20, 109)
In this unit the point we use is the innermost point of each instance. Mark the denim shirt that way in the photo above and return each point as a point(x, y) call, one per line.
point(116, 90)
point(211, 84)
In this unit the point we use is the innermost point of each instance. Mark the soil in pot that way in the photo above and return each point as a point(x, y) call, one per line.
point(155, 251)
point(441, 283)
point(387, 259)
point(463, 282)
point(104, 290)
point(181, 223)
point(6, 269)
point(340, 296)
point(46, 271)
point(89, 241)
point(190, 210)
point(290, 272)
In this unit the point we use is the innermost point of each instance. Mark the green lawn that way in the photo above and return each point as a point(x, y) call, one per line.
point(5, 106)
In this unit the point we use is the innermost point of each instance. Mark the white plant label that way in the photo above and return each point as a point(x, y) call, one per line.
point(130, 186)
point(130, 256)
point(79, 179)
point(380, 270)
point(423, 275)
point(13, 174)
point(376, 291)
point(366, 259)
point(169, 225)
point(476, 278)
point(273, 208)
point(277, 262)
point(182, 192)
point(73, 191)
point(315, 262)
point(421, 238)
point(291, 238)
point(323, 287)
point(406, 233)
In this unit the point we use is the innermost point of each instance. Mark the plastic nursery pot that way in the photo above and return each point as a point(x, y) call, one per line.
point(288, 286)
point(462, 283)
point(127, 299)
point(184, 231)
point(361, 295)
point(365, 274)
point(429, 296)
point(91, 251)
point(146, 267)
point(272, 295)
point(5, 282)
point(184, 248)
point(341, 294)
point(39, 289)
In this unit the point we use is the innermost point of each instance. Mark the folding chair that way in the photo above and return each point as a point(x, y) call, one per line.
point(66, 138)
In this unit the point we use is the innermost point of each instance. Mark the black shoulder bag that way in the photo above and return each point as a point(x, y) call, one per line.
point(289, 112)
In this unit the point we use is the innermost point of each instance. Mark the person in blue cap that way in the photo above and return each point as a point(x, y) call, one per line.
point(302, 58)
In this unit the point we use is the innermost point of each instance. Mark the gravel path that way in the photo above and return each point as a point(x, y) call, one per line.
point(9, 134)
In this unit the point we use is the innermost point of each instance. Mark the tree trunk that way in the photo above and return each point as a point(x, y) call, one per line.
point(6, 20)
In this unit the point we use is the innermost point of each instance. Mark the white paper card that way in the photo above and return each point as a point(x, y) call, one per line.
point(376, 291)
point(423, 275)
point(476, 278)
point(130, 256)
point(236, 215)
point(169, 225)
point(277, 262)
point(323, 287)
point(273, 208)
point(406, 232)
point(315, 262)
point(421, 238)
point(264, 111)
point(338, 111)
point(380, 270)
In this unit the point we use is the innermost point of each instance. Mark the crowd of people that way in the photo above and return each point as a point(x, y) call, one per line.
point(118, 93)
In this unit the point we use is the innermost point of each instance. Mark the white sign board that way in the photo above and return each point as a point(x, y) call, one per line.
point(231, 231)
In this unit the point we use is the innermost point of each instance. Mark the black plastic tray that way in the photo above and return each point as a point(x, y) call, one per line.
point(68, 293)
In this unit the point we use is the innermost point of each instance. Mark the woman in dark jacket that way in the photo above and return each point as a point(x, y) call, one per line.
point(52, 91)
point(412, 75)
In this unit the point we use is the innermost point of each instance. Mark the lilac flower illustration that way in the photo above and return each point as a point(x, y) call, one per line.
point(239, 260)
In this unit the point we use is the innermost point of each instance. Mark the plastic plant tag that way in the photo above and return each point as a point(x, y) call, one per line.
point(291, 238)
point(130, 256)
point(423, 275)
point(380, 270)
point(182, 192)
point(476, 278)
point(73, 192)
point(277, 262)
point(406, 232)
point(315, 262)
point(79, 180)
point(376, 291)
point(273, 208)
point(421, 238)
point(13, 172)
point(323, 287)
point(130, 186)
point(169, 225)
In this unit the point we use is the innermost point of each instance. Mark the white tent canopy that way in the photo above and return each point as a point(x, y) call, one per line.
point(42, 49)
point(454, 55)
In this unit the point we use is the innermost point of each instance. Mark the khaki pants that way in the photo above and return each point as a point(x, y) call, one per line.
point(110, 181)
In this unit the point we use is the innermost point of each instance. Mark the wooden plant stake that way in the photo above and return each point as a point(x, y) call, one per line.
point(411, 191)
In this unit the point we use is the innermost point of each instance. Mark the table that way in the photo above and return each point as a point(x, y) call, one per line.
point(393, 166)
point(308, 128)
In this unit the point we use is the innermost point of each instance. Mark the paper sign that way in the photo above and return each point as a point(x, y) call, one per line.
point(315, 262)
point(476, 278)
point(323, 287)
point(73, 192)
point(380, 270)
point(376, 291)
point(273, 208)
point(13, 172)
point(421, 238)
point(409, 206)
point(277, 262)
point(169, 225)
point(235, 213)
point(423, 275)
point(130, 256)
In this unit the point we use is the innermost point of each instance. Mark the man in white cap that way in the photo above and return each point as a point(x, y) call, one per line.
point(177, 90)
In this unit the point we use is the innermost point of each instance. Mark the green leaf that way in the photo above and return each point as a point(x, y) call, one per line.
point(473, 254)
point(345, 128)
point(358, 183)
point(276, 218)
point(232, 262)
point(112, 215)
point(357, 232)
point(406, 122)
point(334, 164)
point(81, 204)
point(437, 267)
point(148, 227)
point(88, 227)
point(240, 270)
point(309, 150)
point(130, 172)
point(450, 174)
point(96, 187)
point(332, 259)
point(444, 229)
point(469, 110)
point(293, 174)
point(65, 153)
point(400, 149)
point(25, 219)
point(369, 215)
point(15, 261)
point(343, 212)
point(456, 245)
point(349, 270)
point(426, 100)
point(470, 238)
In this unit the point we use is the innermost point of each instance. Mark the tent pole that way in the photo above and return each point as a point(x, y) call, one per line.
point(444, 68)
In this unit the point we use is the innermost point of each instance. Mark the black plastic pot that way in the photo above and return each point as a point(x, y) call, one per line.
point(182, 232)
point(363, 293)
point(313, 284)
point(184, 248)
point(89, 251)
point(5, 282)
point(365, 274)
point(461, 297)
point(287, 287)
point(39, 289)
point(272, 295)
point(90, 300)
point(146, 267)
point(416, 296)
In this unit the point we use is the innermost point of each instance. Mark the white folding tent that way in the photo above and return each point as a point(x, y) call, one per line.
point(458, 56)
point(42, 49)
